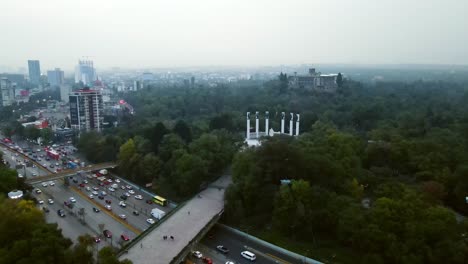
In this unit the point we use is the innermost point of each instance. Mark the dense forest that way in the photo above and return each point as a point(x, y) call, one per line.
point(376, 175)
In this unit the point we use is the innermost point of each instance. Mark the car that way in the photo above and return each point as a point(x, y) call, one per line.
point(51, 166)
point(124, 237)
point(56, 164)
point(150, 221)
point(230, 262)
point(97, 239)
point(123, 204)
point(138, 197)
point(96, 188)
point(61, 213)
point(101, 197)
point(96, 210)
point(38, 191)
point(149, 201)
point(222, 249)
point(91, 196)
point(122, 216)
point(207, 260)
point(45, 209)
point(44, 165)
point(44, 184)
point(40, 201)
point(50, 201)
point(75, 180)
point(107, 233)
point(117, 180)
point(108, 207)
point(135, 212)
point(131, 191)
point(128, 187)
point(122, 187)
point(35, 174)
point(197, 254)
point(111, 189)
point(103, 193)
point(82, 185)
point(88, 189)
point(95, 193)
point(72, 199)
point(101, 184)
point(248, 255)
point(108, 201)
point(52, 183)
point(127, 194)
point(85, 181)
point(123, 197)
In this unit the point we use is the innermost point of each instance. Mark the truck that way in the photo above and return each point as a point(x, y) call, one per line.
point(72, 165)
point(157, 213)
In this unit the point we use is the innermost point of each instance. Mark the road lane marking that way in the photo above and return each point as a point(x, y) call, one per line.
point(125, 223)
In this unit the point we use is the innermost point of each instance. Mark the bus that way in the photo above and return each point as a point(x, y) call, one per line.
point(159, 200)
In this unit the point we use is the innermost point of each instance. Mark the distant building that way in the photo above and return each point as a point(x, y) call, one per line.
point(86, 110)
point(7, 92)
point(65, 93)
point(147, 76)
point(14, 78)
point(55, 77)
point(314, 81)
point(34, 71)
point(137, 85)
point(192, 81)
point(85, 73)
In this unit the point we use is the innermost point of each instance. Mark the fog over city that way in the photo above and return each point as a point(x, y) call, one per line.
point(178, 33)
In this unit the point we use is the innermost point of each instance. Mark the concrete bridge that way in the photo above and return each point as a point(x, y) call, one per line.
point(188, 224)
point(70, 172)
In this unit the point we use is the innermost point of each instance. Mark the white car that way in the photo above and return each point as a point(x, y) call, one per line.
point(108, 207)
point(129, 187)
point(88, 189)
point(44, 184)
point(51, 183)
point(150, 221)
point(131, 192)
point(72, 199)
point(197, 254)
point(50, 201)
point(95, 193)
point(117, 180)
point(127, 194)
point(111, 189)
point(91, 196)
point(138, 197)
point(122, 187)
point(40, 201)
point(122, 216)
point(248, 255)
point(123, 204)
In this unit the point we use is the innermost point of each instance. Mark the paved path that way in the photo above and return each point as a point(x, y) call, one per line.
point(182, 225)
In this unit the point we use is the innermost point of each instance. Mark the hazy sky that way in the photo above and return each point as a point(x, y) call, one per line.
point(171, 33)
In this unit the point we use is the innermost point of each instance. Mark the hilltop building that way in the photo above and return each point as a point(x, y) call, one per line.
point(314, 81)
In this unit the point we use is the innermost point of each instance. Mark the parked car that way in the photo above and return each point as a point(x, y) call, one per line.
point(108, 207)
point(108, 201)
point(149, 201)
point(50, 201)
point(96, 210)
point(150, 221)
point(131, 191)
point(72, 199)
point(45, 209)
point(124, 237)
point(197, 254)
point(122, 204)
point(122, 216)
point(123, 197)
point(135, 212)
point(223, 249)
point(207, 260)
point(61, 213)
point(97, 239)
point(138, 197)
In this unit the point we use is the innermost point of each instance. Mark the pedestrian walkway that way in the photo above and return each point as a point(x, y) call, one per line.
point(182, 225)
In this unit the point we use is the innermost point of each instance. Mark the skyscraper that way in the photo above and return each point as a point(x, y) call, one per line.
point(7, 92)
point(55, 77)
point(86, 110)
point(34, 71)
point(84, 72)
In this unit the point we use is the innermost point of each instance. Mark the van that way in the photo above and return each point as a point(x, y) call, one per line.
point(248, 255)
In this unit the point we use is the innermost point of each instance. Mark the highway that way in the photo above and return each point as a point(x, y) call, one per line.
point(236, 244)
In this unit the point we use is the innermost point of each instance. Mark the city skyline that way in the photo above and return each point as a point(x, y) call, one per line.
point(241, 33)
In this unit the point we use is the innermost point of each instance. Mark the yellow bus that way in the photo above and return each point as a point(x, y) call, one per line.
point(159, 200)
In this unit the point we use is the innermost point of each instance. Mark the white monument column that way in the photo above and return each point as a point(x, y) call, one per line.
point(257, 125)
point(297, 124)
point(248, 125)
point(291, 124)
point(282, 122)
point(266, 123)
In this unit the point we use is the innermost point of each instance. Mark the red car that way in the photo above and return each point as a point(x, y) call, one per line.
point(97, 239)
point(207, 260)
point(82, 185)
point(125, 237)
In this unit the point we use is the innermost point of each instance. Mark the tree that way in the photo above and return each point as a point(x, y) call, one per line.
point(183, 131)
point(46, 135)
point(339, 80)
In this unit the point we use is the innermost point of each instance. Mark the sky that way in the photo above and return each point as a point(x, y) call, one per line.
point(180, 33)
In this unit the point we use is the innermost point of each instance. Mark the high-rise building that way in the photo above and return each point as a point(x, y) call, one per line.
point(55, 77)
point(86, 110)
point(65, 93)
point(7, 92)
point(34, 71)
point(84, 72)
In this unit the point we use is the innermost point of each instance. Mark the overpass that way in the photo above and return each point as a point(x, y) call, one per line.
point(187, 224)
point(70, 172)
